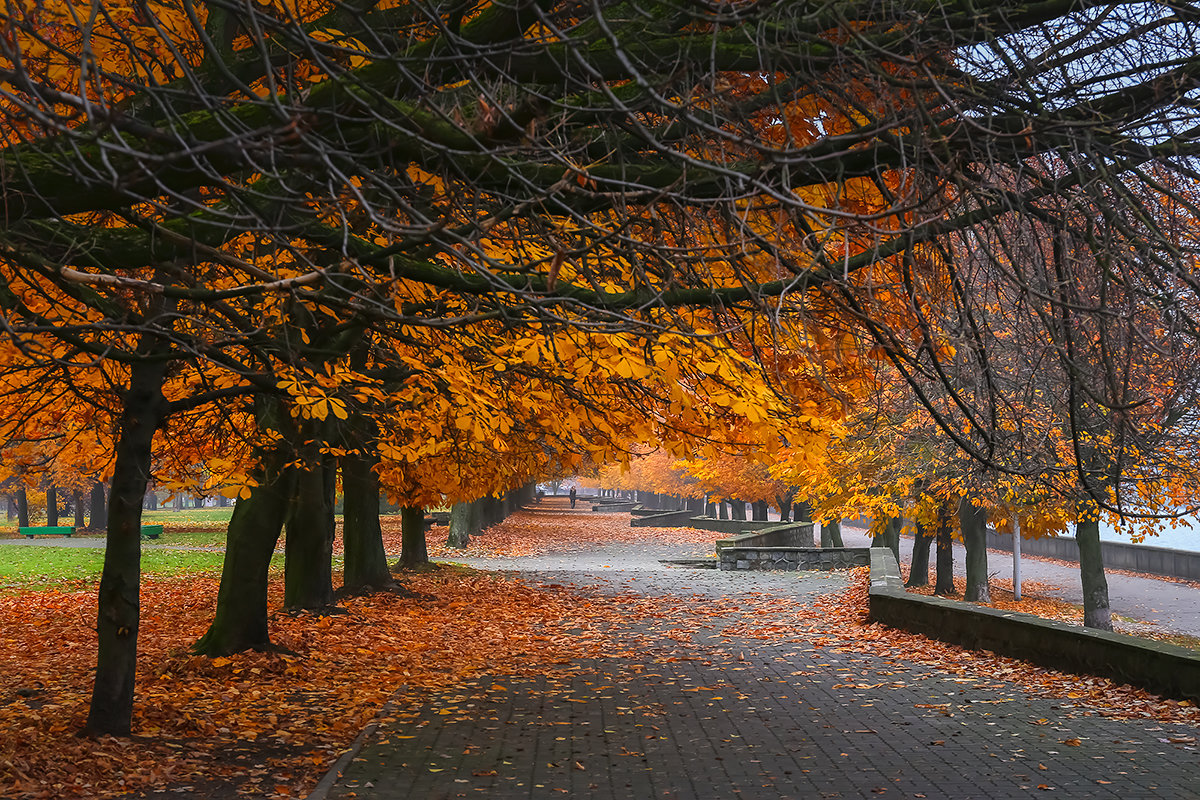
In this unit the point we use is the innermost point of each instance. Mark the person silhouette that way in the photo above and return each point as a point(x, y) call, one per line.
point(572, 496)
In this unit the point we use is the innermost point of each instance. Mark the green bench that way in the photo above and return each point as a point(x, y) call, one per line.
point(148, 531)
point(45, 530)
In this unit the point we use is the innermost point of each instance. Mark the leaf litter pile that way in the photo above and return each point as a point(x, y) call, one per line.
point(270, 725)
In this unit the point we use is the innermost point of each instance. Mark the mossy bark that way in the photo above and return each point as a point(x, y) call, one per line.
point(918, 573)
point(1096, 610)
point(831, 533)
point(240, 621)
point(23, 507)
point(118, 607)
point(944, 580)
point(308, 549)
point(413, 551)
point(366, 564)
point(973, 522)
point(99, 507)
point(52, 506)
point(464, 523)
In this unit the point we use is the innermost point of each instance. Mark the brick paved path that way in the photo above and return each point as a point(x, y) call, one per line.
point(748, 719)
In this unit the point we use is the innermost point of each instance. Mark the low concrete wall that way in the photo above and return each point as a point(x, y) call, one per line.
point(1162, 668)
point(663, 519)
point(626, 506)
point(1116, 555)
point(785, 534)
point(791, 558)
point(730, 526)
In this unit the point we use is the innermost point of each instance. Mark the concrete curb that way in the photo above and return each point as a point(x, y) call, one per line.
point(331, 777)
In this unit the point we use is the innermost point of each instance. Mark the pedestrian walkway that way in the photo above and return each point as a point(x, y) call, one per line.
point(1170, 606)
point(731, 715)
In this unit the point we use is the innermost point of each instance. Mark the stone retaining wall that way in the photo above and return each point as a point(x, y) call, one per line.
point(792, 558)
point(1159, 667)
point(1116, 555)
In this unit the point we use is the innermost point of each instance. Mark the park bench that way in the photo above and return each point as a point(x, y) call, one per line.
point(148, 531)
point(45, 530)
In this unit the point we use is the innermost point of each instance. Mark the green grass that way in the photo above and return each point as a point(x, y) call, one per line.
point(50, 567)
point(188, 516)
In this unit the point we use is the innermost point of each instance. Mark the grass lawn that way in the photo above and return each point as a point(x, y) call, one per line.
point(189, 517)
point(49, 567)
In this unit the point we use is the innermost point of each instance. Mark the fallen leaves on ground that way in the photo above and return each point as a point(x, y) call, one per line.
point(538, 531)
point(270, 725)
point(286, 715)
point(1089, 694)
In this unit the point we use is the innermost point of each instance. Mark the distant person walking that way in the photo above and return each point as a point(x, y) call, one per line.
point(572, 496)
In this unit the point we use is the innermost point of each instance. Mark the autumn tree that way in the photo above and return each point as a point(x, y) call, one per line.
point(218, 198)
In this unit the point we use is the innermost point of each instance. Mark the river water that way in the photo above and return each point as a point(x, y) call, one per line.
point(1184, 537)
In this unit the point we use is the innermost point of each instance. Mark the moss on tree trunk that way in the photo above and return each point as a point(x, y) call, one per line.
point(366, 564)
point(308, 549)
point(413, 551)
point(944, 580)
point(973, 522)
point(118, 610)
point(240, 622)
point(1096, 611)
point(99, 507)
point(918, 573)
point(464, 523)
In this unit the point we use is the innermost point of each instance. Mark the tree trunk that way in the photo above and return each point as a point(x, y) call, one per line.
point(722, 510)
point(222, 501)
point(178, 503)
point(240, 621)
point(1096, 611)
point(738, 509)
point(831, 533)
point(99, 507)
point(22, 507)
point(111, 710)
point(944, 581)
point(464, 523)
point(412, 538)
point(362, 535)
point(77, 500)
point(785, 507)
point(760, 510)
point(889, 537)
point(308, 546)
point(973, 521)
point(802, 512)
point(197, 502)
point(918, 572)
point(52, 506)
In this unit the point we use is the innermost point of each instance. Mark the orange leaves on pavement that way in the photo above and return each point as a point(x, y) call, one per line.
point(269, 723)
point(534, 532)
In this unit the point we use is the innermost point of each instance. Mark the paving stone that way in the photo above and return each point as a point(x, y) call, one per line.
point(762, 720)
